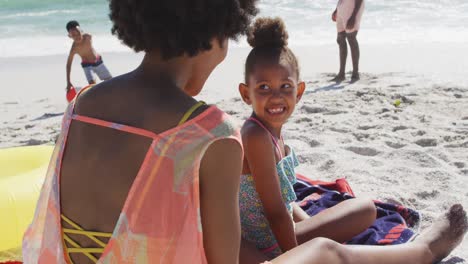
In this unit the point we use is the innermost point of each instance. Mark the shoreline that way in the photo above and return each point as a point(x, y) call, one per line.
point(44, 76)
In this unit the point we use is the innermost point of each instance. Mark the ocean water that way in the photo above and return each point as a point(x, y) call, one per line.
point(36, 28)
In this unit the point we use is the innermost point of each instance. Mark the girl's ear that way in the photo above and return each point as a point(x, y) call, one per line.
point(244, 93)
point(300, 91)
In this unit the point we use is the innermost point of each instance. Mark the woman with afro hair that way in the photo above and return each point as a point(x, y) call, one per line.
point(142, 172)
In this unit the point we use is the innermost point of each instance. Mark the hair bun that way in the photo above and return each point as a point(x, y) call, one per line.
point(267, 32)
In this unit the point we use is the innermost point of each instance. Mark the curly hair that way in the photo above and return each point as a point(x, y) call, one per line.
point(177, 27)
point(269, 39)
point(267, 32)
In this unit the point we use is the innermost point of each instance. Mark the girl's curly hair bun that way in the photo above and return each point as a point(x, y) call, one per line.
point(267, 32)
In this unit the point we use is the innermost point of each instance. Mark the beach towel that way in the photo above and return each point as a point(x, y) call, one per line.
point(395, 224)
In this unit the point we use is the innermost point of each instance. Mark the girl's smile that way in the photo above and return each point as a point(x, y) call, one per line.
point(273, 91)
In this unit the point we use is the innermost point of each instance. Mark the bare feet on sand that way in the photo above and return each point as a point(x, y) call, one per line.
point(446, 233)
point(355, 77)
point(339, 78)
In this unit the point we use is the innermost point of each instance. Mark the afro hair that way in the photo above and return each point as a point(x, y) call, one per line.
point(177, 27)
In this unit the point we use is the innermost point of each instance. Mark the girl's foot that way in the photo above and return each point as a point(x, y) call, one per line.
point(446, 233)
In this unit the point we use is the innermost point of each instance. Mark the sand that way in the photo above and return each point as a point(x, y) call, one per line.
point(415, 154)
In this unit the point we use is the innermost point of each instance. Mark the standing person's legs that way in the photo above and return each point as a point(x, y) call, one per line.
point(341, 40)
point(341, 19)
point(102, 72)
point(354, 46)
point(339, 223)
point(89, 75)
point(351, 35)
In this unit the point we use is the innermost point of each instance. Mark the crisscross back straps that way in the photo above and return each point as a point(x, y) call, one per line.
point(76, 248)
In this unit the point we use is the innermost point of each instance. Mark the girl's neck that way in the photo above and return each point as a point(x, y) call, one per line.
point(274, 130)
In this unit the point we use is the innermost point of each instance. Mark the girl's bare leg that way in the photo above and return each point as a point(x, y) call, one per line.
point(339, 223)
point(431, 246)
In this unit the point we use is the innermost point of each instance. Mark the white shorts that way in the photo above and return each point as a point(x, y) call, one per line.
point(344, 10)
point(98, 68)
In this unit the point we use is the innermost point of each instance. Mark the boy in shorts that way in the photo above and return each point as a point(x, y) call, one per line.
point(90, 60)
point(347, 16)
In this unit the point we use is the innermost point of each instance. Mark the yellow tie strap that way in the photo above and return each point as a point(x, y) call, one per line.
point(80, 231)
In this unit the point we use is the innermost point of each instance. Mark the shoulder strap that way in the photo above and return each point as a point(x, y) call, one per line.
point(125, 128)
point(190, 112)
point(275, 141)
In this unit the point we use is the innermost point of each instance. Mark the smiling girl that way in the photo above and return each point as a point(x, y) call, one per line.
point(271, 222)
point(270, 218)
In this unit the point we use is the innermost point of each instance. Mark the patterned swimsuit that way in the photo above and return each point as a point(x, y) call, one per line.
point(254, 224)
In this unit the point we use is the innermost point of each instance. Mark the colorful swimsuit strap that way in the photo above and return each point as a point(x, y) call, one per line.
point(275, 141)
point(189, 112)
point(78, 230)
point(125, 128)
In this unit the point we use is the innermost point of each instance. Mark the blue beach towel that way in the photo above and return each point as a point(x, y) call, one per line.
point(394, 224)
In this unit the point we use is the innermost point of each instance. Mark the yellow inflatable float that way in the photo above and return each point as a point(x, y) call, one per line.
point(22, 172)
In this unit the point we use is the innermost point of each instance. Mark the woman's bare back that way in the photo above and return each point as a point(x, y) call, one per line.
point(100, 163)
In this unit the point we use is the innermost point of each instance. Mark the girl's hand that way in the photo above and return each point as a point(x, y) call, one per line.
point(299, 214)
point(334, 16)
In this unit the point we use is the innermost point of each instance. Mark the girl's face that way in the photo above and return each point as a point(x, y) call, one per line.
point(273, 91)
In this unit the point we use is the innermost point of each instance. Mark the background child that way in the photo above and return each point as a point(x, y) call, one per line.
point(267, 207)
point(347, 16)
point(91, 61)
